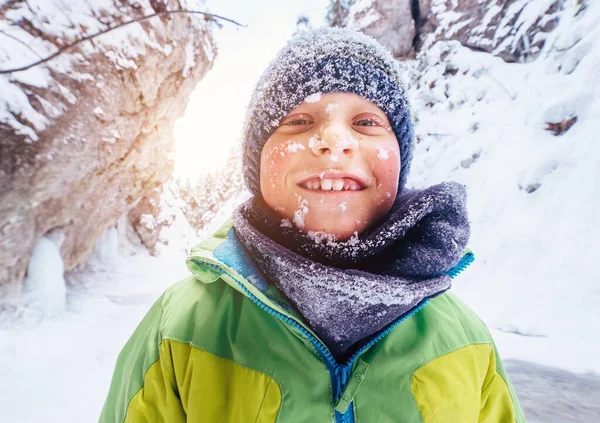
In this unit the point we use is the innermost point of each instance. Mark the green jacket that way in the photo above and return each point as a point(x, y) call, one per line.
point(215, 348)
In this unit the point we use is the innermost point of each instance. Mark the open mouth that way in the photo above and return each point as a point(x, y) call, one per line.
point(332, 184)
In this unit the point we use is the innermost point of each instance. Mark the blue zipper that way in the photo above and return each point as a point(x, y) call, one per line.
point(338, 373)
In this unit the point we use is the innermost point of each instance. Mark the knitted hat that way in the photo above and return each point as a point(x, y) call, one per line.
point(322, 61)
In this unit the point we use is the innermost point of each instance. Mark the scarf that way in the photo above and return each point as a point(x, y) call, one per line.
point(348, 291)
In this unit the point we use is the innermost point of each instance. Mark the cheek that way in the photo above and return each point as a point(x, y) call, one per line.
point(275, 163)
point(384, 161)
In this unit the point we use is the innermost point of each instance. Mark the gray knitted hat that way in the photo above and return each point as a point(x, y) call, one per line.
point(322, 61)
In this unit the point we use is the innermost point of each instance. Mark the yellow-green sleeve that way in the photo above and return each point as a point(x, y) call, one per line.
point(499, 402)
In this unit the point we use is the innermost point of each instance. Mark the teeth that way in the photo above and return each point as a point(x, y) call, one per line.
point(339, 184)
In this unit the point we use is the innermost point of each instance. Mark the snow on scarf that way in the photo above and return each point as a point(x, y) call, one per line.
point(348, 291)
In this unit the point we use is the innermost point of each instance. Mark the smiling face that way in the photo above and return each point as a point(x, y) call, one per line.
point(332, 165)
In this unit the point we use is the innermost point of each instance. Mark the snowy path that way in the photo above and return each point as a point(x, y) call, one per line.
point(550, 395)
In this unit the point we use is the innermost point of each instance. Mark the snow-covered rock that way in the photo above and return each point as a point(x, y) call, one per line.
point(152, 214)
point(390, 22)
point(515, 30)
point(87, 134)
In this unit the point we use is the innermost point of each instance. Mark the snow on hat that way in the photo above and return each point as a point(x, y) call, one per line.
point(325, 60)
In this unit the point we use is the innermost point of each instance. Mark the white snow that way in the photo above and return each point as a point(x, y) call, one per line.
point(320, 237)
point(382, 153)
point(313, 98)
point(294, 146)
point(148, 221)
point(331, 108)
point(190, 60)
point(362, 14)
point(301, 212)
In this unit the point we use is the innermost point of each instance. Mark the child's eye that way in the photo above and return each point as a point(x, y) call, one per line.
point(369, 120)
point(299, 119)
point(297, 122)
point(365, 122)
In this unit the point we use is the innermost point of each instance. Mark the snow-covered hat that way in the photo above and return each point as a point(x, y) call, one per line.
point(325, 60)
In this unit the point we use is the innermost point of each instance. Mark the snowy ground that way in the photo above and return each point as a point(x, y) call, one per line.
point(533, 201)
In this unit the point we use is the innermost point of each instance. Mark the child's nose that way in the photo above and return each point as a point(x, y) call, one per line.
point(334, 139)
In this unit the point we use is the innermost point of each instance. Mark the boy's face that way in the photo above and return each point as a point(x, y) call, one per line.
point(332, 165)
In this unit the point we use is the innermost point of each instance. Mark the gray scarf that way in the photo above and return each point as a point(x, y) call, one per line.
point(348, 291)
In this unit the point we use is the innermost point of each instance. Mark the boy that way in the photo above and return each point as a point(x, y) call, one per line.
point(326, 299)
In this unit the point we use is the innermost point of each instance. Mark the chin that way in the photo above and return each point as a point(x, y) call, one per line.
point(340, 230)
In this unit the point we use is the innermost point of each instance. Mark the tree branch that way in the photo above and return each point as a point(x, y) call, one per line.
point(92, 36)
point(21, 42)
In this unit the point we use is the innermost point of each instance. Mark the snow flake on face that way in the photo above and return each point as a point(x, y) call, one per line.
point(322, 237)
point(331, 108)
point(313, 141)
point(313, 98)
point(294, 146)
point(342, 136)
point(382, 153)
point(285, 223)
point(342, 206)
point(300, 214)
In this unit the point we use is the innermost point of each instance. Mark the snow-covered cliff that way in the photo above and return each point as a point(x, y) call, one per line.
point(87, 134)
